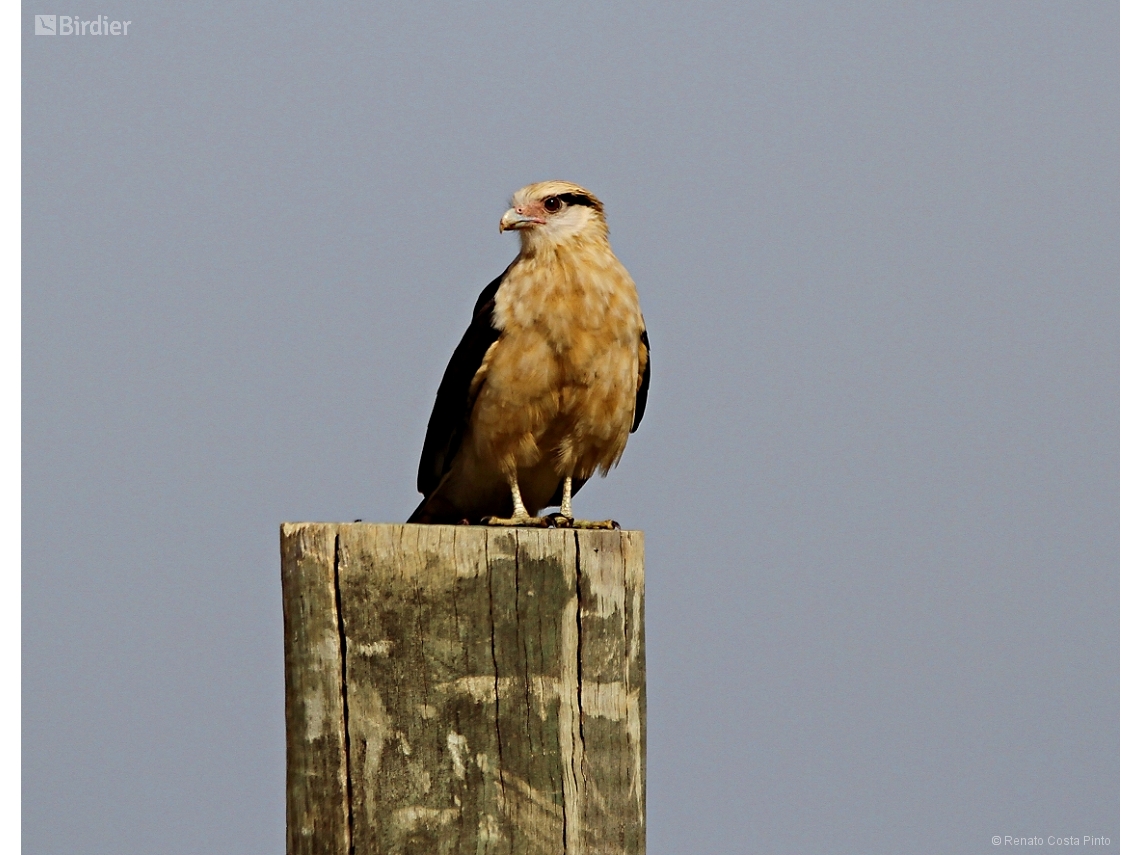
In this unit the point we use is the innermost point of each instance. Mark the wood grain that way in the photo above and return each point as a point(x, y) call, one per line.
point(487, 689)
point(316, 796)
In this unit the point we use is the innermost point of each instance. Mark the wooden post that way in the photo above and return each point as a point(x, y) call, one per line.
point(461, 689)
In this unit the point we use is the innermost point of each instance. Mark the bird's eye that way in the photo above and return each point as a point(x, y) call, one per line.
point(552, 205)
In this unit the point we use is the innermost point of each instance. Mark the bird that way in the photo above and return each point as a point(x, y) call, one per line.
point(549, 380)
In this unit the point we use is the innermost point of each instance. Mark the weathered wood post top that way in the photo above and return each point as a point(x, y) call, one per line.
point(463, 689)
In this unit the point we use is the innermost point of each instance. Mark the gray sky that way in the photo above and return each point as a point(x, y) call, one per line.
point(876, 246)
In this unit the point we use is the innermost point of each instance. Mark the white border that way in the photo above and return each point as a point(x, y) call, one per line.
point(10, 57)
point(1129, 424)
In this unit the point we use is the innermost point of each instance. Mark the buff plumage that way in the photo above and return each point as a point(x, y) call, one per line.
point(550, 378)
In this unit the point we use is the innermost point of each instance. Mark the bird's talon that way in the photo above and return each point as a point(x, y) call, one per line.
point(517, 522)
point(597, 525)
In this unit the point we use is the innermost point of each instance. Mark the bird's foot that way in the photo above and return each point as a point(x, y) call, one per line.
point(552, 521)
point(561, 520)
point(599, 525)
point(518, 521)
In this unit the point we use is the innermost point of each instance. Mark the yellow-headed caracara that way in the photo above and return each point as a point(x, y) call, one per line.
point(549, 380)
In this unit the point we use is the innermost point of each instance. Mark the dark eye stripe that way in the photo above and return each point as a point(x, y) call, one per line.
point(577, 199)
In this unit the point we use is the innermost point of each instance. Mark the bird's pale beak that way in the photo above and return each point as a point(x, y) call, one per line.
point(512, 220)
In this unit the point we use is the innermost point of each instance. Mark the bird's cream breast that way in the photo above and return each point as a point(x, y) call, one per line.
point(568, 291)
point(562, 380)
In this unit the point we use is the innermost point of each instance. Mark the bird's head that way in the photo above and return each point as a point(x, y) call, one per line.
point(553, 212)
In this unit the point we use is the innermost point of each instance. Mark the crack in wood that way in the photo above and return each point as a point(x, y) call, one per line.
point(494, 663)
point(578, 600)
point(519, 640)
point(343, 687)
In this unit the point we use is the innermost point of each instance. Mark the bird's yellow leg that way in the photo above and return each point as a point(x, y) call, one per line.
point(565, 513)
point(567, 489)
point(519, 515)
point(563, 519)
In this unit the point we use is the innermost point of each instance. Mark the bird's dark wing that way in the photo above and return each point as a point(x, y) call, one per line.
point(642, 384)
point(453, 400)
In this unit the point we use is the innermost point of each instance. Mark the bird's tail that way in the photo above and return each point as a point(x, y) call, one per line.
point(420, 514)
point(435, 510)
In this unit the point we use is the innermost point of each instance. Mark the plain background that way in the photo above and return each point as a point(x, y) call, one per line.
point(877, 251)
